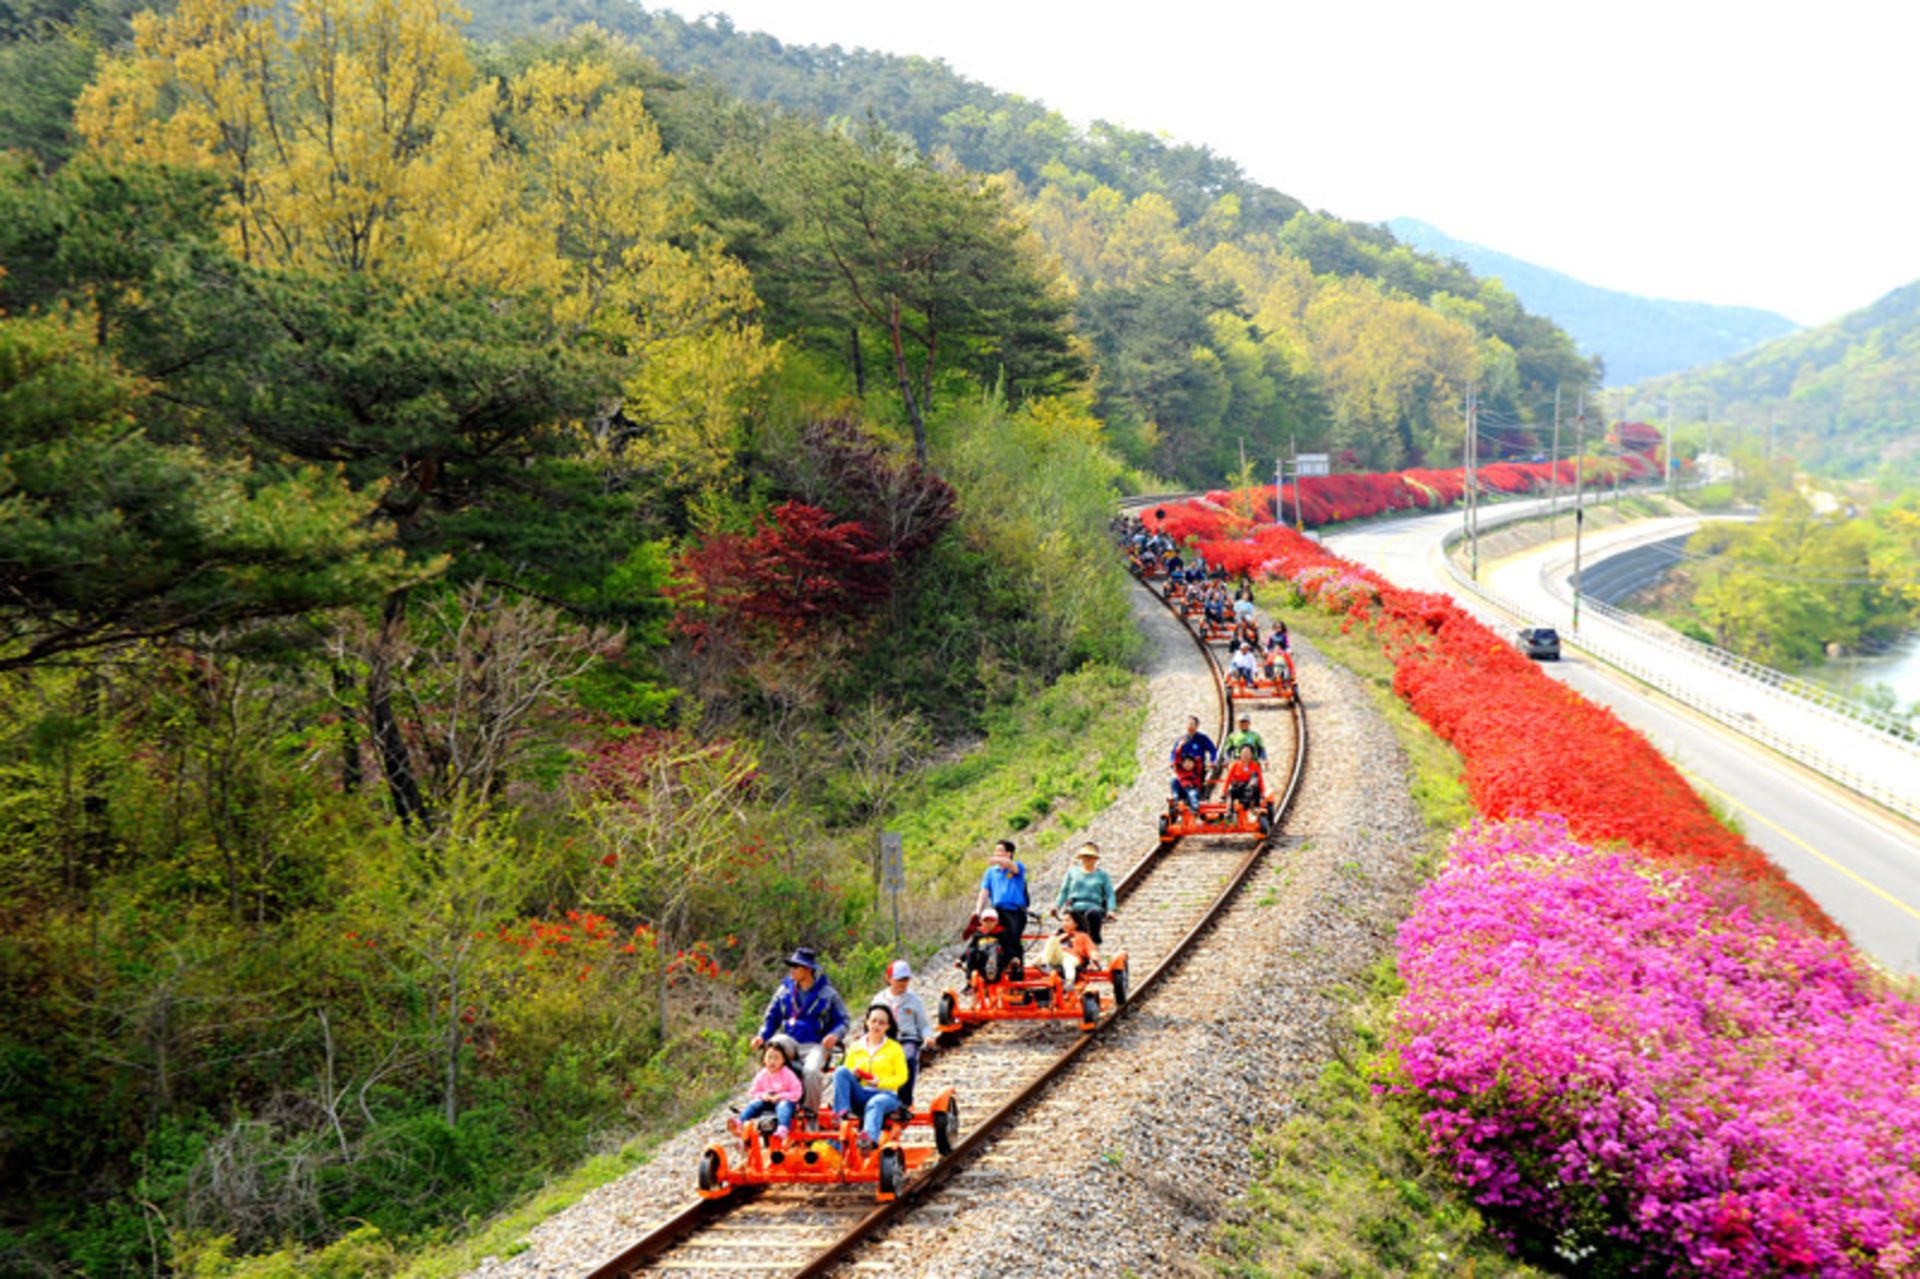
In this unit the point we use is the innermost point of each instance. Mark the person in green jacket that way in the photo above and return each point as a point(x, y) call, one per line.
point(1087, 892)
point(1245, 737)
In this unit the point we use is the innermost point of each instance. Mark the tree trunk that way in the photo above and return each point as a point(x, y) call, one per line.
point(859, 362)
point(396, 761)
point(904, 376)
point(453, 1043)
point(349, 734)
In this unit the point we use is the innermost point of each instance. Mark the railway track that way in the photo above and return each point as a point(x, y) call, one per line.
point(1168, 898)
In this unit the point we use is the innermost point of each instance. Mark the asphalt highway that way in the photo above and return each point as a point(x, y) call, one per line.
point(1860, 863)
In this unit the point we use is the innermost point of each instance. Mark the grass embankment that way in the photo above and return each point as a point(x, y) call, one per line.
point(1047, 764)
point(1344, 1186)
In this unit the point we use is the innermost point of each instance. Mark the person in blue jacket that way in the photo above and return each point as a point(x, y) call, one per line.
point(1004, 888)
point(811, 1012)
point(1190, 758)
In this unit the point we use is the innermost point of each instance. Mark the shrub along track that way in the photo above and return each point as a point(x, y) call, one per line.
point(1167, 900)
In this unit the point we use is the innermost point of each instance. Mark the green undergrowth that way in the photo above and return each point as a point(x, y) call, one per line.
point(1344, 1186)
point(1049, 763)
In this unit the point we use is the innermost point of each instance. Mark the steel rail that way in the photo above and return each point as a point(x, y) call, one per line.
point(703, 1213)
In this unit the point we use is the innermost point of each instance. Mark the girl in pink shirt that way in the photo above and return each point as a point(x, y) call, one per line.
point(776, 1088)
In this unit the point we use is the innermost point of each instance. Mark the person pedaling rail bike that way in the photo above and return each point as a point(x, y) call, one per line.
point(1189, 760)
point(1176, 567)
point(1004, 888)
point(871, 1076)
point(777, 1088)
point(1244, 737)
point(1086, 893)
point(1246, 632)
point(910, 1015)
point(1243, 609)
point(982, 952)
point(1068, 951)
point(809, 1011)
point(1244, 666)
point(1216, 607)
point(1246, 781)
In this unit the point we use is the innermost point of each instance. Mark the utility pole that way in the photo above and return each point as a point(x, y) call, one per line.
point(1579, 508)
point(1468, 451)
point(1620, 429)
point(1299, 520)
point(1553, 475)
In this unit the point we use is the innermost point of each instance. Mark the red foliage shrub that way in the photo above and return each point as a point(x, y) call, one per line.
point(792, 574)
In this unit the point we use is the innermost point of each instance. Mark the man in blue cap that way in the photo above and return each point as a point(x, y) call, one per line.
point(808, 1010)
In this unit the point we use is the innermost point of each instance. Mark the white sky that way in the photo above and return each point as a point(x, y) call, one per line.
point(1744, 153)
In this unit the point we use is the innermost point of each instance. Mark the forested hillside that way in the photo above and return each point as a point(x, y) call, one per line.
point(1842, 398)
point(1636, 337)
point(489, 531)
point(1215, 311)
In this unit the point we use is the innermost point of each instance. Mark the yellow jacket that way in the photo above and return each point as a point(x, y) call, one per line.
point(887, 1063)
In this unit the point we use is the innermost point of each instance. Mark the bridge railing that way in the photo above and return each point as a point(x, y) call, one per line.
point(1808, 694)
point(1675, 681)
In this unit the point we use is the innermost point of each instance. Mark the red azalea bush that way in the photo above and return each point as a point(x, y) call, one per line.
point(1666, 1081)
point(1332, 499)
point(1530, 744)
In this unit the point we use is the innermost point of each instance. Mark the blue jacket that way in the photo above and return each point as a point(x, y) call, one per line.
point(810, 1015)
point(1198, 746)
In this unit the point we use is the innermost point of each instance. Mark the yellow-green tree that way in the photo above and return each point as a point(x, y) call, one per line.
point(356, 138)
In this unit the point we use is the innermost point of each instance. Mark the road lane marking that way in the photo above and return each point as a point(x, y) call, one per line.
point(1788, 835)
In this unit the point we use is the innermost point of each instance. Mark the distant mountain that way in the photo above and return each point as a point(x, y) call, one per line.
point(1841, 398)
point(1638, 337)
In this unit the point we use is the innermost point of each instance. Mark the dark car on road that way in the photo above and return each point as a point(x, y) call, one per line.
point(1541, 643)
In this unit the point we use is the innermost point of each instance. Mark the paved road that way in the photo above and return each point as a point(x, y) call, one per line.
point(1862, 866)
point(1623, 575)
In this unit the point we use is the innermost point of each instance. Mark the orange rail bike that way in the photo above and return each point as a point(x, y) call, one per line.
point(817, 1153)
point(1020, 994)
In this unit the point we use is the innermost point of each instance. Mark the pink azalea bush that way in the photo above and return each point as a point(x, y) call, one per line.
point(1611, 1049)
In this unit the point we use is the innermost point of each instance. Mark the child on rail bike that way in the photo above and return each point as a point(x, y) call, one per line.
point(982, 953)
point(777, 1088)
point(1189, 760)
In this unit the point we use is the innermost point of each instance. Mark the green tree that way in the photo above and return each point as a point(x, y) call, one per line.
point(108, 537)
point(875, 236)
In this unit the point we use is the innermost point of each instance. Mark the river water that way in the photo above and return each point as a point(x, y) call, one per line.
point(1898, 668)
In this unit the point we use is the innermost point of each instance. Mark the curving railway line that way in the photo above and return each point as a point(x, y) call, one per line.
point(1169, 897)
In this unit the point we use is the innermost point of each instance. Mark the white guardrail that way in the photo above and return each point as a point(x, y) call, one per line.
point(1672, 679)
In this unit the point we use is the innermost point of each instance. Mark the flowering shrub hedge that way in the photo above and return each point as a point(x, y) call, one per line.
point(1670, 1082)
point(1329, 499)
point(1530, 744)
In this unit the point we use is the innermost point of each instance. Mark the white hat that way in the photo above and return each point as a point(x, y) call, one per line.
point(900, 970)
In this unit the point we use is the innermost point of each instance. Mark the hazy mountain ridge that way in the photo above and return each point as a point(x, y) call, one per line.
point(1844, 395)
point(1638, 337)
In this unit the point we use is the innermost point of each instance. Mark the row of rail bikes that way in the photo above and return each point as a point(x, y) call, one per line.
point(807, 1142)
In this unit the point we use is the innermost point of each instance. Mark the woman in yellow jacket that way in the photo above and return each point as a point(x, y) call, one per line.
point(870, 1078)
